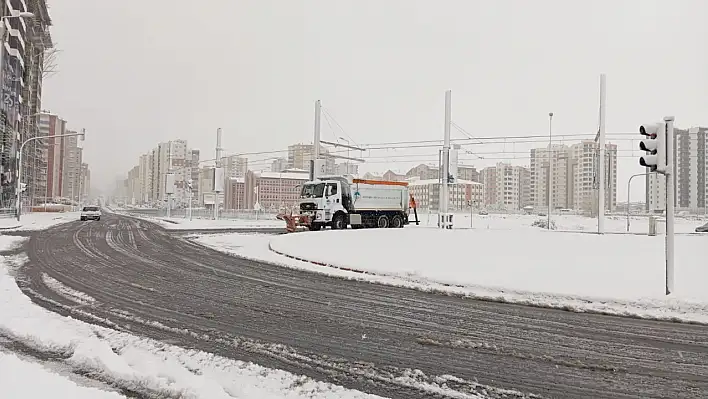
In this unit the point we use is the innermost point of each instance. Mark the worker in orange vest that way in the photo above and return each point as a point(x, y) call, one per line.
point(411, 204)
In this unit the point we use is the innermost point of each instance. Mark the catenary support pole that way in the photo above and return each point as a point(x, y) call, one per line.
point(316, 141)
point(601, 160)
point(217, 176)
point(549, 183)
point(445, 187)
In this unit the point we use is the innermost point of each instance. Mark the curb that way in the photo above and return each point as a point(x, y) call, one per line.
point(349, 269)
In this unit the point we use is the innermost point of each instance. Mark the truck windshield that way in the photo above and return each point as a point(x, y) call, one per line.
point(312, 190)
point(90, 208)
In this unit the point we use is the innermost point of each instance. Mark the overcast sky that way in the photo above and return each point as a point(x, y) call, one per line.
point(137, 72)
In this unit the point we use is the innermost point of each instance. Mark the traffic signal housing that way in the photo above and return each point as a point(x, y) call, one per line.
point(655, 146)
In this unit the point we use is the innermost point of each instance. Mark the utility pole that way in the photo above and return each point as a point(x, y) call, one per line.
point(316, 142)
point(550, 168)
point(218, 174)
point(445, 219)
point(601, 161)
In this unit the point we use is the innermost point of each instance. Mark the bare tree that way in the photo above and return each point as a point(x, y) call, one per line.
point(50, 62)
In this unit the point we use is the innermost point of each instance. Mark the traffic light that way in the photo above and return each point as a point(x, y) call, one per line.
point(654, 145)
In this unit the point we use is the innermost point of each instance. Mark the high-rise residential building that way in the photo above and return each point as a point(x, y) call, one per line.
point(691, 166)
point(574, 180)
point(194, 168)
point(279, 165)
point(234, 166)
point(53, 153)
point(86, 181)
point(300, 155)
point(561, 161)
point(144, 178)
point(71, 168)
point(506, 187)
point(24, 50)
point(585, 179)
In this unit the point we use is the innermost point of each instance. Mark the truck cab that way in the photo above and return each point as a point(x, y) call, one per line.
point(322, 199)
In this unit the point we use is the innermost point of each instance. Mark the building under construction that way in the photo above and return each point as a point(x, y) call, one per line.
point(26, 45)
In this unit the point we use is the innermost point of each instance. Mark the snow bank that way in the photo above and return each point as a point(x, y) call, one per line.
point(142, 366)
point(23, 379)
point(44, 220)
point(575, 271)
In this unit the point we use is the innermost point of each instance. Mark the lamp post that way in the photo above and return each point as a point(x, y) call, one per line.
point(18, 205)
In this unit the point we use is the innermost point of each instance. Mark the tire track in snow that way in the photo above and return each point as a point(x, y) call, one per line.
point(380, 329)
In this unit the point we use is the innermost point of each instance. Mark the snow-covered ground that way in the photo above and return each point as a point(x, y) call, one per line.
point(38, 220)
point(506, 259)
point(613, 224)
point(180, 223)
point(119, 361)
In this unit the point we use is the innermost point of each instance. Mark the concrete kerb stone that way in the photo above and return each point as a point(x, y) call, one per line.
point(344, 268)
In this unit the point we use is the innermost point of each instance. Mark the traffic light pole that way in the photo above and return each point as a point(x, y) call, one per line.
point(670, 203)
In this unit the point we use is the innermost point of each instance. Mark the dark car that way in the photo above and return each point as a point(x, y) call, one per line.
point(702, 229)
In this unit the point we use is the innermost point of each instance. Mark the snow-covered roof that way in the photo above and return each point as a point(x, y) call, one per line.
point(237, 179)
point(436, 181)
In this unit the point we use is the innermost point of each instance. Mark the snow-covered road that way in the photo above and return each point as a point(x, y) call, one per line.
point(386, 340)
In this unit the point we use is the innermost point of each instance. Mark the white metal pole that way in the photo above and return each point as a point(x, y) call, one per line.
point(316, 141)
point(670, 194)
point(601, 161)
point(550, 168)
point(218, 165)
point(445, 187)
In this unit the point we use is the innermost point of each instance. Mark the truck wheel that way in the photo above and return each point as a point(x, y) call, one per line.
point(382, 222)
point(339, 222)
point(396, 222)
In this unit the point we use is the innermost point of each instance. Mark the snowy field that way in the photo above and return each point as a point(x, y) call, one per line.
point(118, 361)
point(506, 259)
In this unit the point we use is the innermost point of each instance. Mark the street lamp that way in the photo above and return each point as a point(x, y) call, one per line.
point(18, 205)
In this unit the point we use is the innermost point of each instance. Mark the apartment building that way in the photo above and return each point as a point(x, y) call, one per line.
point(585, 181)
point(691, 166)
point(300, 155)
point(560, 159)
point(71, 168)
point(234, 166)
point(24, 49)
point(272, 191)
point(506, 187)
point(53, 152)
point(194, 168)
point(85, 182)
point(279, 165)
point(462, 194)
